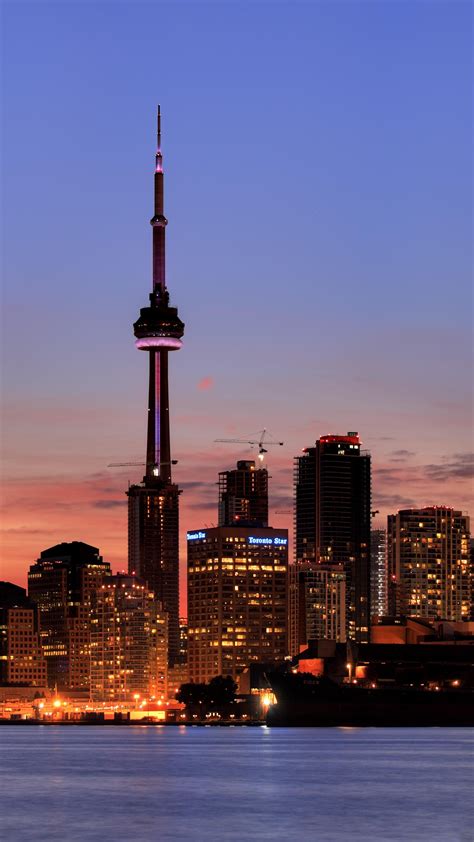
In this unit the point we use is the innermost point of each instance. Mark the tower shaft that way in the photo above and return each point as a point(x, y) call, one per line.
point(153, 505)
point(158, 449)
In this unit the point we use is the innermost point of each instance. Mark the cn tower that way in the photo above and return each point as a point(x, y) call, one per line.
point(153, 505)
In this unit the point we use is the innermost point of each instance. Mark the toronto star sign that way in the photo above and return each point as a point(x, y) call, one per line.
point(274, 542)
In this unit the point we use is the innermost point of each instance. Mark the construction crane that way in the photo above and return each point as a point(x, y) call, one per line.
point(140, 464)
point(252, 442)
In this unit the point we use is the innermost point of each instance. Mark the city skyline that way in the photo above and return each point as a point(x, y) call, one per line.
point(374, 213)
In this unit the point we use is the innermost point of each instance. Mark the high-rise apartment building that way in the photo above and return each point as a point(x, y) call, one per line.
point(129, 647)
point(179, 673)
point(378, 573)
point(322, 603)
point(243, 495)
point(21, 656)
point(293, 618)
point(428, 563)
point(237, 599)
point(61, 583)
point(332, 519)
point(153, 505)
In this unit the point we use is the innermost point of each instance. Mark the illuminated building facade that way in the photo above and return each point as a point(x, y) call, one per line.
point(428, 564)
point(378, 573)
point(21, 656)
point(179, 673)
point(316, 604)
point(61, 583)
point(322, 603)
point(237, 599)
point(293, 610)
point(243, 495)
point(153, 505)
point(129, 646)
point(332, 519)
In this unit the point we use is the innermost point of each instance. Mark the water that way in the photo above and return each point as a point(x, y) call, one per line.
point(114, 784)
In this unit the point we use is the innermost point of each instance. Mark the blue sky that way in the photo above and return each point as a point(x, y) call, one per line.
point(319, 193)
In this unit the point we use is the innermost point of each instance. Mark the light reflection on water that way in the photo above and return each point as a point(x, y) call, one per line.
point(181, 784)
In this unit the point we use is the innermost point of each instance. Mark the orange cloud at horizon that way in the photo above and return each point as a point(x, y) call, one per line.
point(41, 511)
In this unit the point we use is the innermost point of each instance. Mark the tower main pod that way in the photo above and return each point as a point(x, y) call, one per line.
point(153, 505)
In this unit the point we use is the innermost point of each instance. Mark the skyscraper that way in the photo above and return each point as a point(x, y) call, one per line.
point(319, 609)
point(128, 641)
point(243, 495)
point(428, 564)
point(378, 573)
point(153, 505)
point(237, 599)
point(21, 657)
point(332, 518)
point(61, 583)
point(237, 581)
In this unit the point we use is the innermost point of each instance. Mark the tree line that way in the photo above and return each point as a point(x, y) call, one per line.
point(217, 695)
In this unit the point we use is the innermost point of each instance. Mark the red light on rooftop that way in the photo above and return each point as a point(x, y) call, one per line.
point(333, 437)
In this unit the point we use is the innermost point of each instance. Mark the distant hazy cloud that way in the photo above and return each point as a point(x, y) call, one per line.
point(108, 504)
point(393, 501)
point(401, 455)
point(205, 384)
point(459, 466)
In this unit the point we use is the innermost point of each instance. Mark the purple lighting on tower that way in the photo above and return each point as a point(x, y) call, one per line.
point(158, 331)
point(154, 503)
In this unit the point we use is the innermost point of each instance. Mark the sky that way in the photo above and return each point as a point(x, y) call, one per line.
point(319, 196)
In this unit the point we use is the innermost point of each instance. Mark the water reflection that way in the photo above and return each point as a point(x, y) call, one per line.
point(232, 784)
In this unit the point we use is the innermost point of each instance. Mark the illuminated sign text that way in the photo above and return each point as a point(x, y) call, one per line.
point(275, 542)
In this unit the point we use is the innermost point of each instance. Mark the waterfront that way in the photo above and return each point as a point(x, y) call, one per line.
point(229, 784)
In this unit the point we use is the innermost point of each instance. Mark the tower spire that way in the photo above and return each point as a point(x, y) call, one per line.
point(159, 156)
point(158, 331)
point(154, 503)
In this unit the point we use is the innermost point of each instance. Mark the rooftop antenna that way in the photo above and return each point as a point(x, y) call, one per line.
point(159, 159)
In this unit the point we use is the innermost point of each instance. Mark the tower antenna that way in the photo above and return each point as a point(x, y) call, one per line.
point(159, 157)
point(154, 503)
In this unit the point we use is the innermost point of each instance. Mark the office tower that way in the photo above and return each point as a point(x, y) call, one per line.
point(21, 657)
point(378, 573)
point(179, 673)
point(243, 496)
point(183, 639)
point(129, 646)
point(332, 518)
point(321, 603)
point(237, 599)
point(316, 604)
point(428, 563)
point(293, 619)
point(153, 505)
point(61, 583)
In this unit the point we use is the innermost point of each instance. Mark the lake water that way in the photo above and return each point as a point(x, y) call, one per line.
point(232, 784)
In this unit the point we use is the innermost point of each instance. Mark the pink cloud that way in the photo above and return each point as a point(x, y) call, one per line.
point(205, 384)
point(41, 510)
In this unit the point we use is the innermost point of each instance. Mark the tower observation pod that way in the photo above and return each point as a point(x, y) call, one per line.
point(153, 505)
point(158, 330)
